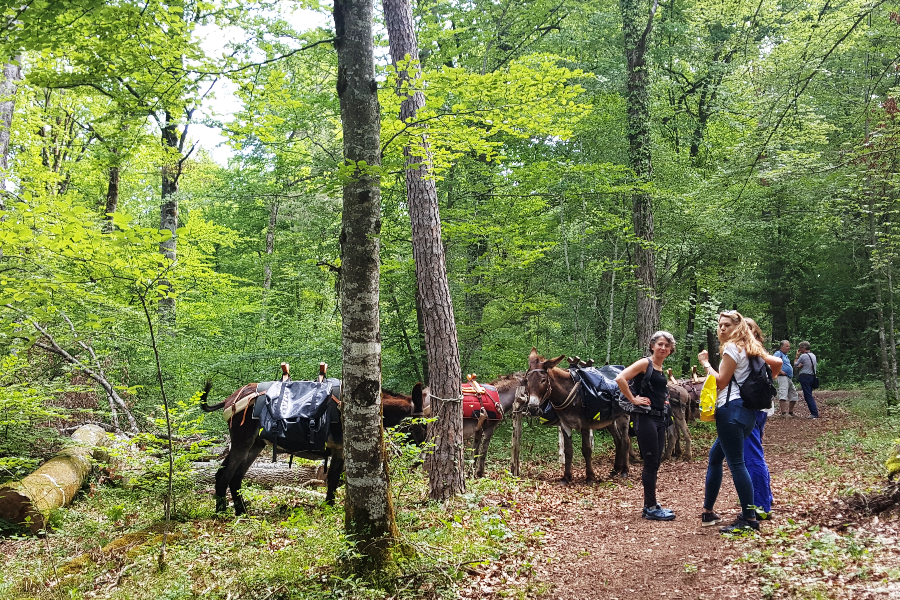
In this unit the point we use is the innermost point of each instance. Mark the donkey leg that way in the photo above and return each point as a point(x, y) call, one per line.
point(483, 441)
point(619, 431)
point(240, 507)
point(586, 453)
point(335, 471)
point(671, 438)
point(681, 423)
point(567, 454)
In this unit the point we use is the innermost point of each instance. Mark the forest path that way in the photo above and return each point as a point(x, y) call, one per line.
point(597, 546)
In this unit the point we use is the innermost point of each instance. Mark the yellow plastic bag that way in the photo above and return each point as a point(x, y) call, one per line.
point(708, 397)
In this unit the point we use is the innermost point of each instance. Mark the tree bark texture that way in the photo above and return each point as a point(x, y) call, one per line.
point(637, 26)
point(369, 511)
point(168, 212)
point(12, 73)
point(53, 484)
point(445, 465)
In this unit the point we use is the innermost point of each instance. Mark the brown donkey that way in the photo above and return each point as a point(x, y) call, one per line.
point(547, 383)
point(246, 445)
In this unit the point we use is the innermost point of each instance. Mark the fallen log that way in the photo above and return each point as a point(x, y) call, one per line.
point(267, 475)
point(53, 484)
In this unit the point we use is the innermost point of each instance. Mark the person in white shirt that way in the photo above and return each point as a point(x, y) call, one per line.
point(734, 422)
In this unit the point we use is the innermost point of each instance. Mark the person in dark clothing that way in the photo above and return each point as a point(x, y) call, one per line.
point(807, 365)
point(650, 421)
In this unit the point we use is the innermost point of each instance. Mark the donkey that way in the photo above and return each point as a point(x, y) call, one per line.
point(678, 437)
point(480, 432)
point(246, 444)
point(545, 382)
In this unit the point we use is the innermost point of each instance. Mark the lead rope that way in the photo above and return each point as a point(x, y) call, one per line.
point(569, 399)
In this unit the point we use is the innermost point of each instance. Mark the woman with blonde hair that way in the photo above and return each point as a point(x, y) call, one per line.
point(734, 422)
point(754, 456)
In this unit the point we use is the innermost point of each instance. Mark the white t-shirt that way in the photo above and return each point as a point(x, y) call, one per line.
point(740, 373)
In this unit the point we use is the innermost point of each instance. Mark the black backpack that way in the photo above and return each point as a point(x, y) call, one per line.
point(758, 389)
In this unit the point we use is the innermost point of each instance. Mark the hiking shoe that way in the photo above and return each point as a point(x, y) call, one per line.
point(657, 513)
point(709, 519)
point(741, 525)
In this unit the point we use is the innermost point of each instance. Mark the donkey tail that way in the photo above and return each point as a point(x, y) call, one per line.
point(203, 405)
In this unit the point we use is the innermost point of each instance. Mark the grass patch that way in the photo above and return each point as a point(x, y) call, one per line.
point(801, 558)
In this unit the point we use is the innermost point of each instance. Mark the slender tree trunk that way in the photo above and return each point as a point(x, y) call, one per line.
point(712, 338)
point(689, 329)
point(637, 26)
point(890, 381)
point(112, 197)
point(168, 213)
point(12, 73)
point(420, 332)
point(612, 301)
point(369, 510)
point(445, 464)
point(267, 268)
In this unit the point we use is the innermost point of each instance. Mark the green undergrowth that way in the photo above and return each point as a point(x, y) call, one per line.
point(106, 544)
point(808, 556)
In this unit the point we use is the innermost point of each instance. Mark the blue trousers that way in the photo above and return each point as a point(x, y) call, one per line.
point(806, 380)
point(756, 464)
point(734, 423)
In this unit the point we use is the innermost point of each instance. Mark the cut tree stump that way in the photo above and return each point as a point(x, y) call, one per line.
point(53, 484)
point(267, 475)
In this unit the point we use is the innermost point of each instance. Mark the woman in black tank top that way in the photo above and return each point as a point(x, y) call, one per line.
point(650, 421)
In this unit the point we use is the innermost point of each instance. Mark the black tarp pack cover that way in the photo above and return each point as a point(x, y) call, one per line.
point(296, 416)
point(600, 394)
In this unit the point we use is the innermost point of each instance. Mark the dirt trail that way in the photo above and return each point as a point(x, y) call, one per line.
point(596, 544)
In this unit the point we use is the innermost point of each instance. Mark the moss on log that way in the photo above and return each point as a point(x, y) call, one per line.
point(54, 484)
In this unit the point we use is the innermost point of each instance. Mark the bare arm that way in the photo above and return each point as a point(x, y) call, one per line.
point(630, 373)
point(726, 369)
point(774, 363)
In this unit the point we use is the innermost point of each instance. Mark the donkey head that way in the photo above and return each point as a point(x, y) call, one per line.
point(537, 379)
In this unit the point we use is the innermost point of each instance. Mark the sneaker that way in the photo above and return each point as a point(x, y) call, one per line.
point(740, 525)
point(657, 513)
point(709, 519)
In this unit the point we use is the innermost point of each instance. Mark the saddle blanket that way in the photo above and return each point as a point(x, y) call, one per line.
point(473, 402)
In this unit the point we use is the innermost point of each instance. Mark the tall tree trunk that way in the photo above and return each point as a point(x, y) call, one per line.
point(612, 300)
point(778, 297)
point(8, 84)
point(369, 510)
point(168, 213)
point(887, 373)
point(637, 26)
point(112, 197)
point(267, 269)
point(445, 464)
point(689, 329)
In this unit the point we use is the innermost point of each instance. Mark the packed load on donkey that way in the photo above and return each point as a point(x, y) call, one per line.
point(301, 420)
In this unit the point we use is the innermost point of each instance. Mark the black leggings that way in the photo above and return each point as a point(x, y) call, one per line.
point(651, 436)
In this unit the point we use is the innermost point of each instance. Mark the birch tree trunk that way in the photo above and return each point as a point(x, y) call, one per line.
point(8, 84)
point(445, 465)
point(168, 212)
point(369, 512)
point(637, 27)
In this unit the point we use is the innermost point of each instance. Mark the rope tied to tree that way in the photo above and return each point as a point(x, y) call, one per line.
point(446, 400)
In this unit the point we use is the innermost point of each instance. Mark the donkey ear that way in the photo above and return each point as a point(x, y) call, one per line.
point(549, 364)
point(417, 398)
